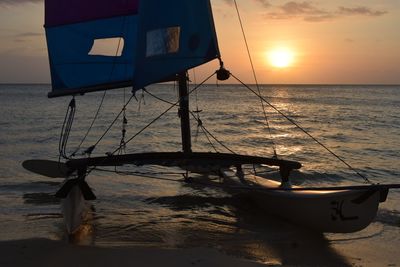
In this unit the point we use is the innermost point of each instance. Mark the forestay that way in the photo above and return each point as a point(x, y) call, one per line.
point(116, 43)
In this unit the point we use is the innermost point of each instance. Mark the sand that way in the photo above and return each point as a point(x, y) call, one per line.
point(306, 251)
point(44, 252)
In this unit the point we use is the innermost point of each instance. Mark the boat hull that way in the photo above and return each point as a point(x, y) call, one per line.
point(336, 211)
point(73, 208)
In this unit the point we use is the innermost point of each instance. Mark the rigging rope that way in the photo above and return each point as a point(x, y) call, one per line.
point(196, 118)
point(255, 78)
point(91, 148)
point(163, 113)
point(206, 132)
point(198, 111)
point(303, 130)
point(66, 129)
point(159, 98)
point(91, 125)
point(124, 124)
point(113, 122)
point(145, 127)
point(141, 98)
point(199, 122)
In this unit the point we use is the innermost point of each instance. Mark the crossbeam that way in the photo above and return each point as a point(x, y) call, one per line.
point(180, 159)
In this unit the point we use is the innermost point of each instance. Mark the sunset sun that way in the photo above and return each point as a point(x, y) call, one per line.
point(280, 58)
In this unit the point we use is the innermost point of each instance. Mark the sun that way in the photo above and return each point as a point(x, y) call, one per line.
point(280, 58)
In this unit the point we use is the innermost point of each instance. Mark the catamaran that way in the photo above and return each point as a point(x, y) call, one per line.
point(159, 41)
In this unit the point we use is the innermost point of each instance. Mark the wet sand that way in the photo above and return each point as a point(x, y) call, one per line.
point(301, 249)
point(44, 252)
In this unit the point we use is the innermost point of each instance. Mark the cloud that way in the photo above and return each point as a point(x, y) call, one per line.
point(299, 8)
point(361, 10)
point(308, 11)
point(29, 34)
point(264, 3)
point(26, 36)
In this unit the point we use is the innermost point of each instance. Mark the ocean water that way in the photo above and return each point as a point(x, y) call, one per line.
point(359, 123)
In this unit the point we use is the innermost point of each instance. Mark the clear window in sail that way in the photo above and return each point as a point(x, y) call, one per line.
point(162, 41)
point(110, 47)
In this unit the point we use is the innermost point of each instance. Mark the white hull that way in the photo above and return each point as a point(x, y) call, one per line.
point(73, 208)
point(336, 211)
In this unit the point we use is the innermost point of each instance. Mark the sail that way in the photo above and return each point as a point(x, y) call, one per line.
point(178, 35)
point(106, 44)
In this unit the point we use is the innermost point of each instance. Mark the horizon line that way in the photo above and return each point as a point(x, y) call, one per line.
point(230, 84)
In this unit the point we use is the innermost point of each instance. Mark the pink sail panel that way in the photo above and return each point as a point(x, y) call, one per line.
point(61, 12)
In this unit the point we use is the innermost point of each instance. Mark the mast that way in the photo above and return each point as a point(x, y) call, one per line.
point(184, 112)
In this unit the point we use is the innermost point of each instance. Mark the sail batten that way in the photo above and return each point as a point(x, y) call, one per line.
point(149, 42)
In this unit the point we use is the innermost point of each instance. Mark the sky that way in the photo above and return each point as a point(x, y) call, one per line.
point(327, 42)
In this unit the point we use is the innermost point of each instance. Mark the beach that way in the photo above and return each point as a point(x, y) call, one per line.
point(305, 252)
point(43, 252)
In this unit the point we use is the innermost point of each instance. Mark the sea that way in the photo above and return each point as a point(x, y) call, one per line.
point(154, 206)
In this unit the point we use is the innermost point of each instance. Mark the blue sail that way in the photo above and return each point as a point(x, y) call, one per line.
point(178, 35)
point(117, 43)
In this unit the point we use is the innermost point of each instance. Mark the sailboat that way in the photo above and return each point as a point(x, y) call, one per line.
point(159, 41)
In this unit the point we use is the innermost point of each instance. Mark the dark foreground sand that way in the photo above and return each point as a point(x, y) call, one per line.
point(378, 250)
point(44, 252)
